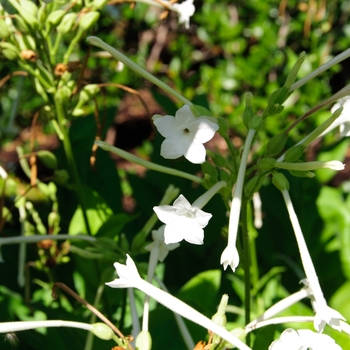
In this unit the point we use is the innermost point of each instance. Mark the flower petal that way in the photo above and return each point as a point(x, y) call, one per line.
point(166, 125)
point(195, 153)
point(165, 213)
point(202, 217)
point(184, 117)
point(230, 257)
point(173, 148)
point(205, 130)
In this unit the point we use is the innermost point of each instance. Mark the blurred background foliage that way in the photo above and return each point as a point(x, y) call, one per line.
point(230, 48)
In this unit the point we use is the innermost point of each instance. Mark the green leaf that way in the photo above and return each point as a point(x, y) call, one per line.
point(264, 337)
point(114, 224)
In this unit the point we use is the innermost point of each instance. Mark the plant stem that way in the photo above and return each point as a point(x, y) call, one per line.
point(71, 161)
point(246, 264)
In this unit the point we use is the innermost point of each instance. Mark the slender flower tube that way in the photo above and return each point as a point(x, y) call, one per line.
point(229, 256)
point(129, 277)
point(305, 166)
point(344, 119)
point(324, 314)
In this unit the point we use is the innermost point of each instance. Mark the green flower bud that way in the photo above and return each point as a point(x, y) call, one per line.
point(294, 153)
point(102, 331)
point(298, 173)
point(4, 29)
point(63, 94)
point(276, 100)
point(85, 95)
point(9, 50)
point(144, 341)
point(54, 18)
point(89, 20)
point(256, 123)
point(294, 72)
point(42, 13)
point(53, 219)
point(267, 164)
point(248, 113)
point(280, 181)
point(29, 7)
point(98, 4)
point(67, 23)
point(40, 90)
point(276, 144)
point(61, 176)
point(28, 11)
point(275, 109)
point(47, 158)
point(220, 317)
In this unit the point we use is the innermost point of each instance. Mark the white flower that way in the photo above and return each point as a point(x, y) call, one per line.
point(304, 339)
point(327, 315)
point(343, 121)
point(158, 242)
point(230, 257)
point(183, 221)
point(184, 135)
point(128, 274)
point(185, 10)
point(129, 277)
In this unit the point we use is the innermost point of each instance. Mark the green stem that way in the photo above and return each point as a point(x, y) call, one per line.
point(71, 161)
point(55, 48)
point(246, 264)
point(69, 51)
point(149, 165)
point(93, 40)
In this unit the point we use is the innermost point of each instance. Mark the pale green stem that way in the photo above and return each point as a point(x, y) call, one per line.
point(319, 70)
point(149, 165)
point(201, 201)
point(279, 307)
point(69, 51)
point(22, 246)
point(93, 40)
point(279, 320)
point(135, 319)
point(306, 166)
point(186, 335)
point(7, 327)
point(152, 264)
point(306, 260)
point(90, 336)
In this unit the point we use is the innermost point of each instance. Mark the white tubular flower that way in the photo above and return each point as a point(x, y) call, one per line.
point(128, 276)
point(305, 166)
point(304, 339)
point(185, 10)
point(344, 119)
point(183, 221)
point(185, 134)
point(229, 256)
point(324, 314)
point(158, 242)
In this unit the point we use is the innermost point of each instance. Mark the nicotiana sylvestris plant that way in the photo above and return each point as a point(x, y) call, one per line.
point(185, 133)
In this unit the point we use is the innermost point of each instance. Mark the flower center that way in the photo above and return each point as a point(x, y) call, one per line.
point(187, 131)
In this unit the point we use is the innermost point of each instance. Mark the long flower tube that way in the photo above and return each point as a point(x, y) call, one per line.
point(230, 255)
point(129, 277)
point(93, 40)
point(324, 314)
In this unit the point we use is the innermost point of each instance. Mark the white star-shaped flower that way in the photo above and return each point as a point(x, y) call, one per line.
point(185, 10)
point(182, 221)
point(185, 134)
point(127, 273)
point(158, 242)
point(304, 339)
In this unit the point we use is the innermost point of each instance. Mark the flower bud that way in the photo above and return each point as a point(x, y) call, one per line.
point(28, 11)
point(89, 20)
point(248, 113)
point(85, 95)
point(67, 23)
point(42, 13)
point(276, 100)
point(220, 317)
point(102, 331)
point(9, 50)
point(21, 25)
point(298, 173)
point(61, 176)
point(280, 181)
point(47, 158)
point(294, 72)
point(53, 219)
point(144, 341)
point(4, 29)
point(98, 4)
point(54, 18)
point(276, 144)
point(294, 153)
point(255, 123)
point(267, 164)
